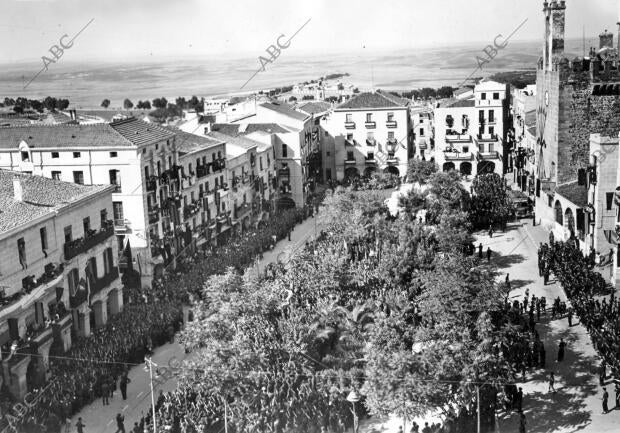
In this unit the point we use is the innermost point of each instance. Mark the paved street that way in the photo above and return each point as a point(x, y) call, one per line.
point(577, 404)
point(101, 419)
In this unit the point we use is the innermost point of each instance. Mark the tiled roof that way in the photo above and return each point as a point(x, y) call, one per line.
point(397, 99)
point(462, 90)
point(139, 132)
point(314, 107)
point(41, 196)
point(284, 109)
point(125, 132)
point(573, 192)
point(188, 143)
point(461, 103)
point(234, 129)
point(107, 115)
point(66, 135)
point(235, 140)
point(372, 100)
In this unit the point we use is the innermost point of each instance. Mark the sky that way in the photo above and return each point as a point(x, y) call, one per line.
point(138, 30)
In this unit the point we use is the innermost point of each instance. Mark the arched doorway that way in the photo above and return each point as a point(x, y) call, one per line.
point(448, 166)
point(465, 168)
point(569, 221)
point(391, 170)
point(485, 167)
point(351, 173)
point(369, 171)
point(559, 217)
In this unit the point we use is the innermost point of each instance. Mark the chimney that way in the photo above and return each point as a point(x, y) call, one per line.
point(606, 40)
point(18, 192)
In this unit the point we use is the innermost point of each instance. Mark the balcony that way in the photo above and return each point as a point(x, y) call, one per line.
point(485, 156)
point(370, 161)
point(458, 138)
point(153, 216)
point(202, 171)
point(391, 124)
point(81, 245)
point(349, 161)
point(33, 289)
point(371, 142)
point(487, 137)
point(349, 125)
point(81, 296)
point(458, 156)
point(370, 125)
point(392, 158)
point(151, 184)
point(101, 283)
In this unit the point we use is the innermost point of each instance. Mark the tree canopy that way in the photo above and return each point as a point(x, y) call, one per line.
point(490, 200)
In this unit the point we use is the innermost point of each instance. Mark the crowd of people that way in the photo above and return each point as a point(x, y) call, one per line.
point(94, 365)
point(585, 288)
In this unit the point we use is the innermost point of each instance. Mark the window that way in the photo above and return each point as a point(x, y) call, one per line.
point(55, 155)
point(284, 151)
point(421, 132)
point(56, 175)
point(609, 197)
point(370, 138)
point(491, 116)
point(43, 233)
point(328, 153)
point(491, 130)
point(77, 154)
point(495, 95)
point(371, 155)
point(491, 147)
point(115, 179)
point(260, 162)
point(390, 135)
point(25, 156)
point(349, 118)
point(156, 146)
point(146, 173)
point(368, 117)
point(483, 96)
point(117, 209)
point(113, 154)
point(73, 281)
point(78, 177)
point(350, 156)
point(21, 248)
point(465, 149)
point(108, 261)
point(390, 117)
point(86, 225)
point(158, 168)
point(481, 116)
point(68, 234)
point(103, 214)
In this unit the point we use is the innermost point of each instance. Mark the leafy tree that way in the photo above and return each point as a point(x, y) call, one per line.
point(127, 104)
point(37, 105)
point(9, 101)
point(445, 92)
point(160, 103)
point(292, 99)
point(50, 103)
point(145, 105)
point(490, 201)
point(105, 103)
point(63, 104)
point(420, 171)
point(446, 195)
point(181, 102)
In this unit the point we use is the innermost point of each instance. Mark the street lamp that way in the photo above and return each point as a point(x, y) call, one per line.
point(148, 366)
point(354, 397)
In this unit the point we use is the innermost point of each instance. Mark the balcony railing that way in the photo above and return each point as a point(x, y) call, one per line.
point(32, 289)
point(201, 171)
point(391, 158)
point(370, 125)
point(80, 297)
point(488, 155)
point(349, 161)
point(487, 137)
point(458, 138)
point(370, 160)
point(349, 125)
point(81, 245)
point(458, 156)
point(391, 124)
point(103, 282)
